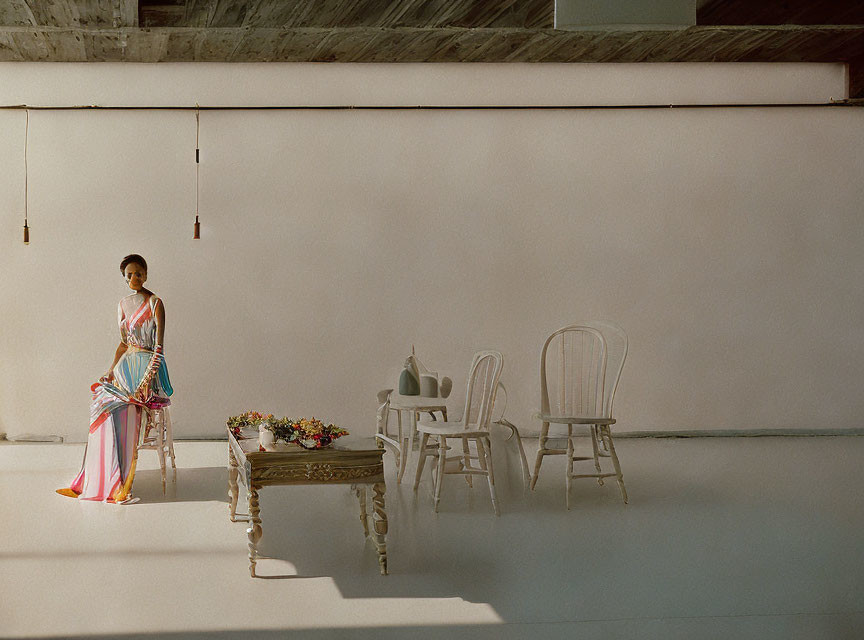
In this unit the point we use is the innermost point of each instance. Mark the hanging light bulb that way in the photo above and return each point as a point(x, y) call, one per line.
point(197, 234)
point(26, 138)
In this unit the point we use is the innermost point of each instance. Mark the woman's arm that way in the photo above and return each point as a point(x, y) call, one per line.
point(143, 389)
point(159, 308)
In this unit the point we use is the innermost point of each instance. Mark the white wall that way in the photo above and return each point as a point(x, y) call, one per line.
point(725, 241)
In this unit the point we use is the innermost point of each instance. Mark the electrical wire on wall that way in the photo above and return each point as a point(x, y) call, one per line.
point(560, 107)
point(26, 140)
point(197, 234)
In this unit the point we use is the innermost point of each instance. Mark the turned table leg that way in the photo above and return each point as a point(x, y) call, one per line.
point(254, 531)
point(364, 516)
point(233, 489)
point(379, 518)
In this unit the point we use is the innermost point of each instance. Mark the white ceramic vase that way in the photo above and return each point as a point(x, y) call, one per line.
point(265, 437)
point(267, 440)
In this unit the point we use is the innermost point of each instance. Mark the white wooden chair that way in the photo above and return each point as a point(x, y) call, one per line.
point(157, 435)
point(499, 419)
point(579, 371)
point(382, 434)
point(472, 429)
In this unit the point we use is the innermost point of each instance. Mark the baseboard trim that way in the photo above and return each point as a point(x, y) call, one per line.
point(680, 433)
point(726, 433)
point(684, 433)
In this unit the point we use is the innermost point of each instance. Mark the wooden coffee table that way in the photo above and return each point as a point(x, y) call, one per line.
point(350, 460)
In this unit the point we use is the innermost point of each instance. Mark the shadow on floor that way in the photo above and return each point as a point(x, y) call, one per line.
point(787, 627)
point(481, 632)
point(201, 484)
point(538, 561)
point(315, 531)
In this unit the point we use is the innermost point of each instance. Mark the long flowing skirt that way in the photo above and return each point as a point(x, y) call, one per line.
point(109, 460)
point(115, 424)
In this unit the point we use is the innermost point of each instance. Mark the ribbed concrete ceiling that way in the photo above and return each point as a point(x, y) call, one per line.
point(419, 31)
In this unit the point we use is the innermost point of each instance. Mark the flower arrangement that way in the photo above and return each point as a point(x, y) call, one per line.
point(309, 433)
point(250, 419)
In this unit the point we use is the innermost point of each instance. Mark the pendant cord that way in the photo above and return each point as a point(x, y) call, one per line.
point(197, 158)
point(26, 140)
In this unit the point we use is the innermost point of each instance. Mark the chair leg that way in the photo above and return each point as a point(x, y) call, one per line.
point(403, 454)
point(148, 422)
point(421, 461)
point(413, 434)
point(467, 461)
point(601, 445)
point(617, 465)
point(594, 428)
point(170, 432)
point(544, 435)
point(485, 451)
point(569, 469)
point(442, 456)
point(526, 476)
point(160, 446)
point(433, 468)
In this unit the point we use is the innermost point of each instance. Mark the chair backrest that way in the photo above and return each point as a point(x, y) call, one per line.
point(383, 413)
point(579, 369)
point(483, 380)
point(500, 403)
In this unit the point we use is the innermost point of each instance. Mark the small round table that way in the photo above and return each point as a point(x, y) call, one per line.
point(414, 405)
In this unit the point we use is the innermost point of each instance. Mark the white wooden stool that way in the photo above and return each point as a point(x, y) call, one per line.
point(156, 434)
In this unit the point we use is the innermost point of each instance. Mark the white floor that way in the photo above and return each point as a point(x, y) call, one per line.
point(723, 538)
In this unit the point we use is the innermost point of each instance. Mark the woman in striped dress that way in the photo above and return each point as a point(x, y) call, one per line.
point(137, 377)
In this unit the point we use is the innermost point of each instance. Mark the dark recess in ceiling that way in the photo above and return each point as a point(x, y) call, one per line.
point(753, 12)
point(496, 14)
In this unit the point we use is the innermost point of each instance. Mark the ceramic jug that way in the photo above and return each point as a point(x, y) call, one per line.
point(409, 381)
point(429, 386)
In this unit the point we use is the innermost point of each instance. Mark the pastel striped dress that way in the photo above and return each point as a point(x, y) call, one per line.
point(115, 408)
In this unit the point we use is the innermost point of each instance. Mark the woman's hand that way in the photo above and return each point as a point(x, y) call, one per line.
point(142, 393)
point(108, 377)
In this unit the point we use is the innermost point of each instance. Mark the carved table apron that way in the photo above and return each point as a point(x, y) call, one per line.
point(351, 460)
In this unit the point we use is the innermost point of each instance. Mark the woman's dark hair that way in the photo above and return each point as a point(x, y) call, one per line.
point(132, 257)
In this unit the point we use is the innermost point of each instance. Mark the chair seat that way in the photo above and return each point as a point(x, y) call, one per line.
point(576, 419)
point(158, 403)
point(454, 429)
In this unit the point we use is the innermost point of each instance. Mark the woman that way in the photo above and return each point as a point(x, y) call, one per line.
point(137, 377)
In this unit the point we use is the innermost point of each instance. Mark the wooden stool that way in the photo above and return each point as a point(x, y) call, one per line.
point(156, 434)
